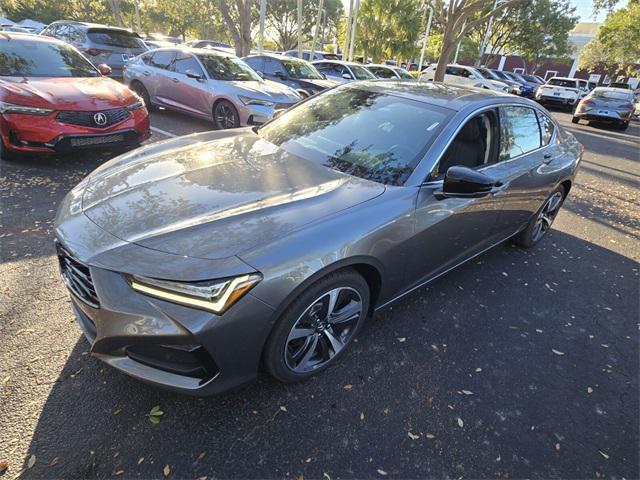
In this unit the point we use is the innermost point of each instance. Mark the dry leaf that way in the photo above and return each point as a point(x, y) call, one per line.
point(413, 436)
point(557, 352)
point(361, 416)
point(4, 466)
point(430, 436)
point(119, 472)
point(348, 387)
point(557, 446)
point(402, 339)
point(55, 461)
point(604, 454)
point(203, 478)
point(140, 460)
point(283, 408)
point(32, 461)
point(301, 477)
point(460, 422)
point(589, 390)
point(478, 369)
point(467, 392)
point(381, 472)
point(166, 470)
point(201, 456)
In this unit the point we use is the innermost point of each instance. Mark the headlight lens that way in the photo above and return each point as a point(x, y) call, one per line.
point(255, 101)
point(214, 296)
point(135, 105)
point(13, 108)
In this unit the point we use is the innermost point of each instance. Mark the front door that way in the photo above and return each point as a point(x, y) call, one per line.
point(189, 94)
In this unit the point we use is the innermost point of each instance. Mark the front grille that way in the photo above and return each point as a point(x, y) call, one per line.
point(77, 277)
point(101, 119)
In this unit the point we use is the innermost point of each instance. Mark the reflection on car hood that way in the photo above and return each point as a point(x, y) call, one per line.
point(266, 90)
point(215, 194)
point(91, 93)
point(322, 83)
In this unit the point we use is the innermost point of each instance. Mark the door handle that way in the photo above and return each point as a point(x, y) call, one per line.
point(498, 188)
point(546, 158)
point(146, 73)
point(175, 80)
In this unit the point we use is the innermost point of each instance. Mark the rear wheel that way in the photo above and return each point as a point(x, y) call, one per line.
point(541, 222)
point(314, 331)
point(142, 92)
point(225, 115)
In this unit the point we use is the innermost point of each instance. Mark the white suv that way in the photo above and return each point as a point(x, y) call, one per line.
point(562, 91)
point(464, 75)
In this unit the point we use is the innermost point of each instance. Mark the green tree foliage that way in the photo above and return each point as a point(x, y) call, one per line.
point(389, 28)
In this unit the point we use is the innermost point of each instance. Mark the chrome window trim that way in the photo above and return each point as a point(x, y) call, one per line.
point(484, 109)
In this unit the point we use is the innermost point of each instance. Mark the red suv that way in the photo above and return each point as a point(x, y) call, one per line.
point(52, 99)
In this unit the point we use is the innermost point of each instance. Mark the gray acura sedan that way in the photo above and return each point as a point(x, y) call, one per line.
point(193, 261)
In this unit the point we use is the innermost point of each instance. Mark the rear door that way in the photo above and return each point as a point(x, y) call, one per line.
point(158, 83)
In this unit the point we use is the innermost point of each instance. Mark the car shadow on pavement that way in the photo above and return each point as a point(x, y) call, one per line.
point(522, 363)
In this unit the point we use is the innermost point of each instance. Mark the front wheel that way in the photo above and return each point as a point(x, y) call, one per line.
point(225, 115)
point(540, 224)
point(317, 327)
point(142, 92)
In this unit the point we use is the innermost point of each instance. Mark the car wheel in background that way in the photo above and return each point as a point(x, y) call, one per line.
point(315, 329)
point(541, 222)
point(225, 115)
point(142, 92)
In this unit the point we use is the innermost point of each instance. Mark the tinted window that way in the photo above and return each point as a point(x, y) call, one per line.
point(299, 69)
point(361, 73)
point(220, 67)
point(162, 59)
point(331, 69)
point(184, 62)
point(272, 66)
point(367, 134)
point(519, 131)
point(42, 59)
point(562, 83)
point(382, 72)
point(402, 72)
point(116, 38)
point(257, 63)
point(546, 128)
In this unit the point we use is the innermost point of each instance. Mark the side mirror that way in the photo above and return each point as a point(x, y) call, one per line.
point(104, 69)
point(260, 74)
point(281, 75)
point(463, 182)
point(194, 75)
point(347, 76)
point(323, 75)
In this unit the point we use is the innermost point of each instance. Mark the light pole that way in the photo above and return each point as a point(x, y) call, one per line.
point(464, 25)
point(426, 36)
point(299, 28)
point(487, 34)
point(347, 35)
point(354, 28)
point(315, 32)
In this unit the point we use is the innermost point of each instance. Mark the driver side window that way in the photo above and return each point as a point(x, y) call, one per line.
point(475, 145)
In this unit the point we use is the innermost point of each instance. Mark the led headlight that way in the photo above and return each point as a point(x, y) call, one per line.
point(255, 101)
point(214, 296)
point(13, 108)
point(135, 105)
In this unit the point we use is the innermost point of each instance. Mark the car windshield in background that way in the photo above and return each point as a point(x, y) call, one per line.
point(610, 95)
point(402, 72)
point(370, 135)
point(301, 70)
point(225, 68)
point(43, 59)
point(488, 74)
point(116, 38)
point(559, 82)
point(362, 73)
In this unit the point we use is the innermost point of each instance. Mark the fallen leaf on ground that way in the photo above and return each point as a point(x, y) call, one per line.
point(604, 454)
point(478, 369)
point(413, 436)
point(430, 436)
point(166, 470)
point(557, 352)
point(140, 460)
point(460, 422)
point(154, 414)
point(348, 387)
point(283, 408)
point(4, 466)
point(558, 446)
point(467, 392)
point(361, 416)
point(589, 390)
point(402, 339)
point(55, 461)
point(201, 456)
point(32, 461)
point(381, 472)
point(119, 472)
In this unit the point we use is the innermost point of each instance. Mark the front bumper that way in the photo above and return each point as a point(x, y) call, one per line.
point(167, 345)
point(251, 115)
point(44, 134)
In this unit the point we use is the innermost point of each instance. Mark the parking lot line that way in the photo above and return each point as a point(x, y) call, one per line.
point(163, 132)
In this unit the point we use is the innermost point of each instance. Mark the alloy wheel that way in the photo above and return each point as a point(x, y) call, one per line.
point(546, 216)
point(225, 116)
point(323, 330)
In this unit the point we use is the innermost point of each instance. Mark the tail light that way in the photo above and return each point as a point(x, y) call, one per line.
point(627, 106)
point(94, 52)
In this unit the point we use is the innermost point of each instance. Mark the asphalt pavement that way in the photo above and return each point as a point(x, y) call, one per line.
point(521, 363)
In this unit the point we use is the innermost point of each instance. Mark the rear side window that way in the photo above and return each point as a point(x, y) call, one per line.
point(546, 128)
point(186, 61)
point(116, 38)
point(519, 131)
point(257, 63)
point(271, 67)
point(162, 59)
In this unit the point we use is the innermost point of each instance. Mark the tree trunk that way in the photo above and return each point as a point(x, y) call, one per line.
point(448, 46)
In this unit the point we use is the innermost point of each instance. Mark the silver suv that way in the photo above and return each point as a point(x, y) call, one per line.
point(101, 44)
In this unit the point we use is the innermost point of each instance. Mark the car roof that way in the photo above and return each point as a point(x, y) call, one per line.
point(453, 97)
point(340, 62)
point(94, 25)
point(275, 56)
point(390, 67)
point(564, 78)
point(184, 48)
point(34, 37)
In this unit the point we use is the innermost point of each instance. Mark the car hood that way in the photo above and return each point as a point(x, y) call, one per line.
point(266, 90)
point(215, 195)
point(319, 83)
point(80, 93)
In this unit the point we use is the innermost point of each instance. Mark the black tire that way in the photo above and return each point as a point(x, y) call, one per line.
point(284, 349)
point(142, 92)
point(6, 154)
point(225, 115)
point(575, 119)
point(531, 235)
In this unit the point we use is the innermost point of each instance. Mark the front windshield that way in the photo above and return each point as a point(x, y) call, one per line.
point(24, 58)
point(500, 75)
point(362, 73)
point(561, 82)
point(402, 72)
point(488, 74)
point(531, 78)
point(372, 135)
point(302, 70)
point(220, 67)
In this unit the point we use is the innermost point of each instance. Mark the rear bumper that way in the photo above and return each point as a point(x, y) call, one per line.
point(547, 100)
point(612, 117)
point(45, 135)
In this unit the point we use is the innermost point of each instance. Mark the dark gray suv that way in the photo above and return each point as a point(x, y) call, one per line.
point(101, 44)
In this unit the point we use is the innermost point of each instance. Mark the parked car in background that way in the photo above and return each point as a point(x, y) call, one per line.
point(159, 37)
point(193, 263)
point(14, 28)
point(606, 105)
point(532, 79)
point(464, 76)
point(514, 87)
point(53, 100)
point(151, 44)
point(527, 88)
point(306, 55)
point(206, 43)
point(343, 72)
point(623, 85)
point(389, 72)
point(101, 44)
point(208, 84)
point(562, 91)
point(293, 72)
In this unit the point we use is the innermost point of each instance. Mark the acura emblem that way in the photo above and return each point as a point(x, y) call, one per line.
point(100, 118)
